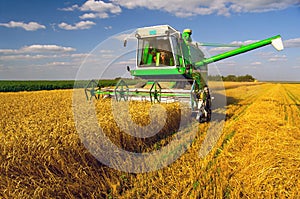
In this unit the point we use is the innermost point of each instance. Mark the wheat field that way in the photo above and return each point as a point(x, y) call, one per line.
point(256, 156)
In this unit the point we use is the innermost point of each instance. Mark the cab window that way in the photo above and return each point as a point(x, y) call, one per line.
point(155, 51)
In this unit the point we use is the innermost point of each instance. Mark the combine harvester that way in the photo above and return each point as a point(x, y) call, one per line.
point(172, 67)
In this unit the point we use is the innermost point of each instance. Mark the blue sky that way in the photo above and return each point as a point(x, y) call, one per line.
point(53, 39)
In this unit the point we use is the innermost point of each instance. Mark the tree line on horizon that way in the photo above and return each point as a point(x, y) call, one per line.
point(232, 78)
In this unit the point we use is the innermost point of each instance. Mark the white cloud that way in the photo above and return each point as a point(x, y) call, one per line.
point(46, 48)
point(242, 43)
point(78, 26)
point(227, 63)
point(88, 16)
point(265, 55)
point(106, 51)
point(31, 26)
point(80, 55)
point(292, 43)
point(100, 7)
point(183, 8)
point(108, 27)
point(256, 63)
point(44, 60)
point(261, 5)
point(7, 51)
point(72, 8)
point(93, 15)
point(127, 62)
point(219, 50)
point(95, 9)
point(37, 48)
point(59, 63)
point(272, 56)
point(23, 57)
point(277, 58)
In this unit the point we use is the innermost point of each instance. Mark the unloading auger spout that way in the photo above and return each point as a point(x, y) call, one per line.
point(275, 41)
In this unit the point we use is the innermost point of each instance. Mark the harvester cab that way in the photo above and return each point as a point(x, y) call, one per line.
point(166, 55)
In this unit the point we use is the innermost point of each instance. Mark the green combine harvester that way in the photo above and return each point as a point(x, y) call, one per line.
point(172, 67)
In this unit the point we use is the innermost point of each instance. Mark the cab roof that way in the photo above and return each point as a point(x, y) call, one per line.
point(160, 30)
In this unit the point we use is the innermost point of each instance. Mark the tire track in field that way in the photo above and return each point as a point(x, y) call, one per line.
point(292, 96)
point(292, 105)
